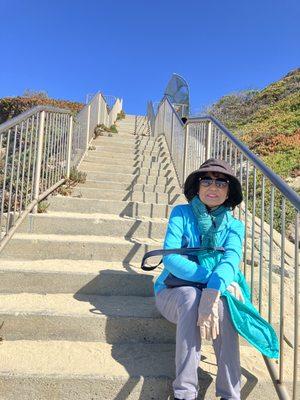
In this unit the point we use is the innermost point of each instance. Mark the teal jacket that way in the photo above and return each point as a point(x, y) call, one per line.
point(183, 231)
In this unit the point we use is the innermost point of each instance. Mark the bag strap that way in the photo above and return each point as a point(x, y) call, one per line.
point(181, 251)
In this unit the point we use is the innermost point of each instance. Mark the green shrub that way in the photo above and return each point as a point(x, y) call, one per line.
point(121, 115)
point(42, 207)
point(1, 338)
point(101, 128)
point(113, 129)
point(75, 178)
point(12, 106)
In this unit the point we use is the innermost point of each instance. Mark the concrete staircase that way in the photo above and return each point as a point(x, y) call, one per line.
point(79, 315)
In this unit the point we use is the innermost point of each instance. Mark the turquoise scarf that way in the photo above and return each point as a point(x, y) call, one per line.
point(245, 318)
point(210, 224)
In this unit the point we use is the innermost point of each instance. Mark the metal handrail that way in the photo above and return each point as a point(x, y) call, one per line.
point(26, 114)
point(37, 150)
point(277, 181)
point(174, 111)
point(106, 97)
point(205, 137)
point(151, 117)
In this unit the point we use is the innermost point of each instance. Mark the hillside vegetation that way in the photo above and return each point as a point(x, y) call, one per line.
point(268, 121)
point(12, 106)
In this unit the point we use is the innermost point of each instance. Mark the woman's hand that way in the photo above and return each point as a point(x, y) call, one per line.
point(208, 314)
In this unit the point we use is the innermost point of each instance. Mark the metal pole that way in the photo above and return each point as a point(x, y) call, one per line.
point(69, 149)
point(208, 141)
point(164, 116)
point(280, 389)
point(38, 160)
point(282, 303)
point(172, 132)
point(186, 131)
point(296, 308)
point(88, 127)
point(98, 109)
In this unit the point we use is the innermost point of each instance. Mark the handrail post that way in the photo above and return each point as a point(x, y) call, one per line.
point(186, 134)
point(296, 308)
point(208, 141)
point(37, 172)
point(88, 127)
point(69, 150)
point(164, 117)
point(172, 133)
point(98, 109)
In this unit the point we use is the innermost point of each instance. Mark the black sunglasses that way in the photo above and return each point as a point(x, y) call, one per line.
point(219, 182)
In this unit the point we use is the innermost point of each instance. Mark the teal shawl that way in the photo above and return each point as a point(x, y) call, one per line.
point(245, 317)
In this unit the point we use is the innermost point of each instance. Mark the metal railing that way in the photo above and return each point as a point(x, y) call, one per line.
point(117, 107)
point(271, 213)
point(108, 98)
point(38, 148)
point(151, 118)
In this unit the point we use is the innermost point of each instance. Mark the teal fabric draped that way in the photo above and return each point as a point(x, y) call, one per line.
point(245, 318)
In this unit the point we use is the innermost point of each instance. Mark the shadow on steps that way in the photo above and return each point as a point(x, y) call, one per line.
point(150, 372)
point(147, 375)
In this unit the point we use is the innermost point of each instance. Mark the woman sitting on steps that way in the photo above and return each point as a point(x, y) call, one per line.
point(205, 294)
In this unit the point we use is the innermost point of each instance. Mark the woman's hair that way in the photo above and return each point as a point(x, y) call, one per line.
point(194, 189)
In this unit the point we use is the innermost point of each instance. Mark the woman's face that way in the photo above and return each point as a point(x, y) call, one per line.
point(212, 195)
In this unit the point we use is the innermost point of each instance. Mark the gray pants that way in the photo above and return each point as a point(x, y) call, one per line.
point(180, 306)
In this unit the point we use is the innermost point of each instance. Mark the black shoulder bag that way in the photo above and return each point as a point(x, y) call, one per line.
point(171, 280)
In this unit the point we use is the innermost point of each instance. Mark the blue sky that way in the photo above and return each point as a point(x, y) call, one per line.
point(130, 48)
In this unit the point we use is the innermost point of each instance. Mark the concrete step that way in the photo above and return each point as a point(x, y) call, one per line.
point(131, 132)
point(110, 319)
point(103, 278)
point(83, 277)
point(130, 156)
point(156, 171)
point(125, 147)
point(27, 246)
point(136, 161)
point(72, 223)
point(125, 195)
point(135, 128)
point(134, 165)
point(130, 135)
point(124, 151)
point(131, 142)
point(132, 179)
point(133, 118)
point(122, 131)
point(85, 370)
point(129, 121)
point(138, 122)
point(64, 316)
point(123, 122)
point(122, 208)
point(171, 187)
point(91, 370)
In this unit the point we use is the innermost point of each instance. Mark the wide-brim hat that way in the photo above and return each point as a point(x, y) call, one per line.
point(191, 184)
